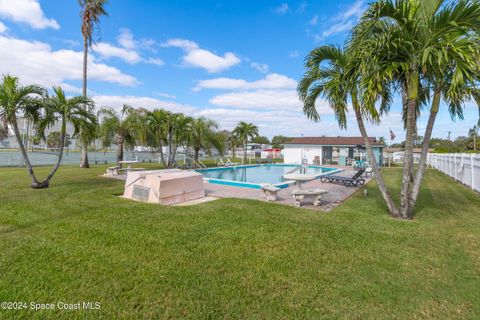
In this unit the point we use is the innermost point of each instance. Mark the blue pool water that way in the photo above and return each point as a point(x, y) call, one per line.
point(253, 176)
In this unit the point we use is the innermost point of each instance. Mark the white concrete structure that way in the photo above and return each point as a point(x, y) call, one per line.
point(463, 167)
point(166, 187)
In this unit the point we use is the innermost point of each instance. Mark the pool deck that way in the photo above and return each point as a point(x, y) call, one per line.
point(337, 193)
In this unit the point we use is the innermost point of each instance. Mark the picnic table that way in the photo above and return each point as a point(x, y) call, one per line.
point(128, 163)
point(299, 179)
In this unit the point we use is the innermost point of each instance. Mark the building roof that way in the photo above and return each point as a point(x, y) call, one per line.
point(334, 141)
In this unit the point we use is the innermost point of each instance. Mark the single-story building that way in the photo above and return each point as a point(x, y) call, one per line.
point(330, 150)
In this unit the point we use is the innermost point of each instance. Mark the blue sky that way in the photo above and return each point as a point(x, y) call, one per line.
point(227, 60)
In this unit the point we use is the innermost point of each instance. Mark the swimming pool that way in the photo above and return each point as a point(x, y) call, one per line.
point(251, 176)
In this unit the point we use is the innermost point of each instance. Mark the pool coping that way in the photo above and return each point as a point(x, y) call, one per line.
point(251, 185)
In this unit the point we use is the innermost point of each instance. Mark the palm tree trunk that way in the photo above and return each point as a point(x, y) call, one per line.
point(423, 157)
point(35, 182)
point(197, 151)
point(378, 176)
point(162, 158)
point(169, 149)
point(120, 153)
point(245, 151)
point(412, 89)
point(84, 154)
point(45, 183)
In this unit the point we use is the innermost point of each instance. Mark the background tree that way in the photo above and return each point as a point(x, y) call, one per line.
point(179, 135)
point(157, 130)
point(90, 13)
point(278, 141)
point(119, 128)
point(473, 133)
point(261, 140)
point(16, 99)
point(203, 135)
point(58, 109)
point(245, 131)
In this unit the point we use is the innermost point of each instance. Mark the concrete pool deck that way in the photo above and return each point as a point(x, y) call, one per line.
point(337, 193)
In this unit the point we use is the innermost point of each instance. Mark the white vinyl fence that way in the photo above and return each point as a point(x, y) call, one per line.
point(463, 167)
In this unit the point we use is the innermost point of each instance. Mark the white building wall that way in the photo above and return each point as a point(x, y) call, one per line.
point(311, 152)
point(295, 154)
point(292, 155)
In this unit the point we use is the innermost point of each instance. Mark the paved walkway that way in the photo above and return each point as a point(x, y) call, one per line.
point(337, 193)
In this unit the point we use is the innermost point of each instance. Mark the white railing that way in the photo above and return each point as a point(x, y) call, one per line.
point(463, 167)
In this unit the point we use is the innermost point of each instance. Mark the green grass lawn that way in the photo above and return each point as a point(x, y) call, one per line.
point(236, 259)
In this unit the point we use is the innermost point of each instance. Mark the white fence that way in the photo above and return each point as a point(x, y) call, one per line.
point(463, 167)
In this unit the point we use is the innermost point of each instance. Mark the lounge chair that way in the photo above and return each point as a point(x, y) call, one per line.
point(231, 163)
point(348, 182)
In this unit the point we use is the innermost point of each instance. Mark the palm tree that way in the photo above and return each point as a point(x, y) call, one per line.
point(178, 135)
point(329, 74)
point(157, 129)
point(410, 43)
point(119, 128)
point(473, 132)
point(91, 11)
point(18, 99)
point(60, 109)
point(203, 135)
point(243, 131)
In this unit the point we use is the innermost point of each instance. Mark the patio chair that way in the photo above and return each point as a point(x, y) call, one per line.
point(368, 171)
point(354, 181)
point(231, 163)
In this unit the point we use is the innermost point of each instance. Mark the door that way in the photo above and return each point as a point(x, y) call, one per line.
point(326, 155)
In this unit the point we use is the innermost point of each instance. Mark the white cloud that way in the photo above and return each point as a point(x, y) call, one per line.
point(343, 21)
point(128, 49)
point(106, 50)
point(28, 12)
point(3, 27)
point(271, 81)
point(282, 9)
point(155, 61)
point(293, 54)
point(274, 122)
point(126, 40)
point(36, 62)
point(265, 99)
point(314, 20)
point(148, 103)
point(301, 8)
point(201, 58)
point(261, 67)
point(181, 43)
point(165, 95)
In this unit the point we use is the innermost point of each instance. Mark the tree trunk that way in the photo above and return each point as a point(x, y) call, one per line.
point(35, 182)
point(423, 157)
point(197, 151)
point(245, 151)
point(169, 163)
point(376, 171)
point(84, 153)
point(162, 158)
point(63, 136)
point(412, 94)
point(120, 152)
